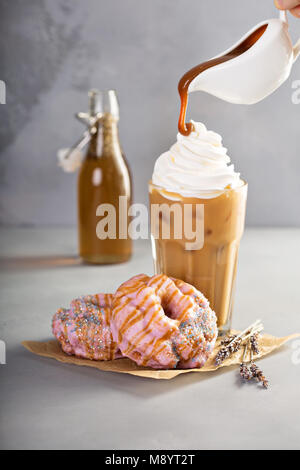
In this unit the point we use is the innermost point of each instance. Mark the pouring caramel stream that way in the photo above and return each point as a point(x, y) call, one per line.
point(184, 83)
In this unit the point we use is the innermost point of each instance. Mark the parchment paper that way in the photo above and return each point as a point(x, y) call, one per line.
point(52, 349)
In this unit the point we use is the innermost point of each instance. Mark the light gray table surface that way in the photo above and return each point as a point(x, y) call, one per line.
point(50, 405)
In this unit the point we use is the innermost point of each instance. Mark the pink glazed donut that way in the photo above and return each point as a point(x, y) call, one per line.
point(163, 323)
point(84, 329)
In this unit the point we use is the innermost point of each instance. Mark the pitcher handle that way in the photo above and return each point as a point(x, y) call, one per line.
point(296, 49)
point(283, 16)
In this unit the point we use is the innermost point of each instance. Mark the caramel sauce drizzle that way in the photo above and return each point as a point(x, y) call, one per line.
point(184, 83)
point(136, 316)
point(158, 344)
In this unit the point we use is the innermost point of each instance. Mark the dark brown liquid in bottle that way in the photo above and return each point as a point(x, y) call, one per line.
point(104, 176)
point(184, 83)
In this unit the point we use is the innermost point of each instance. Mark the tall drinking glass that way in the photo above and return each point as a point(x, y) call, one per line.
point(210, 261)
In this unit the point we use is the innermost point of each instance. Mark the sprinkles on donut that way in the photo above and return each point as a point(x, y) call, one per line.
point(84, 329)
point(157, 321)
point(163, 323)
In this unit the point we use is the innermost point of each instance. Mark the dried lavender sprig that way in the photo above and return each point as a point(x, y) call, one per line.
point(228, 339)
point(245, 373)
point(255, 330)
point(254, 343)
point(235, 344)
point(257, 373)
point(251, 329)
point(227, 351)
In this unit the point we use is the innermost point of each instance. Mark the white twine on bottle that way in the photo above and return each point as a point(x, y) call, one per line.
point(69, 159)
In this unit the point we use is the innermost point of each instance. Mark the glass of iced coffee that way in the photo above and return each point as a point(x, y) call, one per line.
point(198, 205)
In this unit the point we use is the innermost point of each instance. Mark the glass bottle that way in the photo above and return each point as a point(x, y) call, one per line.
point(104, 187)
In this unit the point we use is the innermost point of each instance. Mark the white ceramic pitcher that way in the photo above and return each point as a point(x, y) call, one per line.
point(255, 74)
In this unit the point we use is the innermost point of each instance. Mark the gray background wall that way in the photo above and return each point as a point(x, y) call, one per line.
point(53, 51)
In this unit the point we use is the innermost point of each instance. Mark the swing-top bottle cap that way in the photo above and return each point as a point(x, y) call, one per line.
point(102, 102)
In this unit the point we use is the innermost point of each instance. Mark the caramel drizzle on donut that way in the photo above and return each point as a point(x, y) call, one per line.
point(159, 344)
point(135, 316)
point(119, 301)
point(161, 287)
point(145, 331)
point(155, 345)
point(65, 335)
point(190, 290)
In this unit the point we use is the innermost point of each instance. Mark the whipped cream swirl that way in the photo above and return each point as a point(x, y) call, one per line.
point(196, 165)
